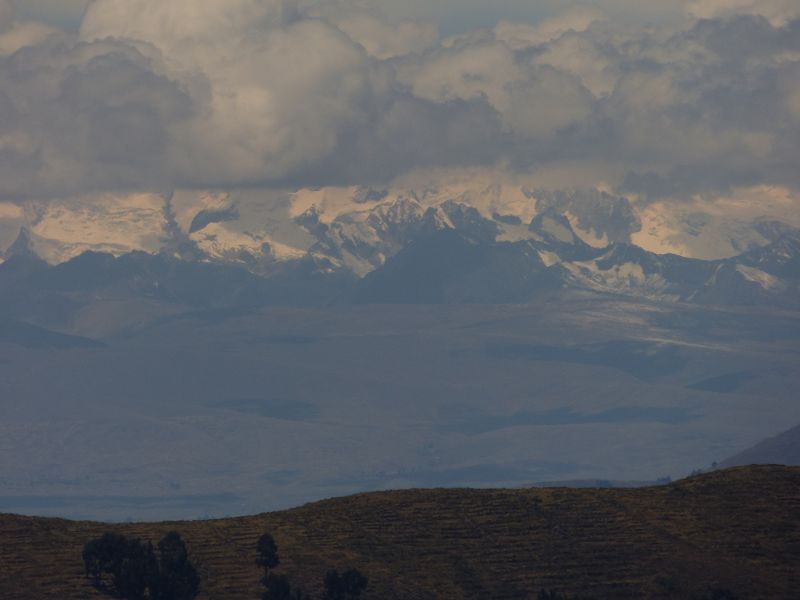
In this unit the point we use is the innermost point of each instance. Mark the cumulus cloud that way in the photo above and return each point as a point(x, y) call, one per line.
point(531, 101)
point(520, 36)
point(56, 13)
point(154, 94)
point(264, 120)
point(16, 33)
point(596, 63)
point(382, 38)
point(779, 12)
point(6, 14)
point(83, 116)
point(22, 35)
point(177, 26)
point(189, 92)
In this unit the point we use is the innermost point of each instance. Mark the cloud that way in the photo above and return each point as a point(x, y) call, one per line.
point(384, 40)
point(6, 14)
point(381, 38)
point(156, 94)
point(264, 94)
point(10, 211)
point(778, 12)
point(64, 14)
point(16, 33)
point(520, 36)
point(83, 116)
point(22, 35)
point(216, 94)
point(266, 121)
point(176, 26)
point(531, 101)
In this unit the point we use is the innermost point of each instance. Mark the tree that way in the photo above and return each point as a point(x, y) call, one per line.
point(277, 586)
point(135, 573)
point(348, 585)
point(267, 553)
point(178, 579)
point(551, 595)
point(130, 564)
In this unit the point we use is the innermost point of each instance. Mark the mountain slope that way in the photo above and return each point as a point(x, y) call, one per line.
point(431, 263)
point(359, 228)
point(449, 267)
point(730, 530)
point(783, 449)
point(31, 290)
point(781, 258)
point(413, 249)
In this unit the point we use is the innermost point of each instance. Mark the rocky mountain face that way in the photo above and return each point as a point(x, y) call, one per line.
point(385, 246)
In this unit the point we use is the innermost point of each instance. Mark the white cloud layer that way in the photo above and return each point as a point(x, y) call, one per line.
point(6, 14)
point(153, 94)
point(273, 92)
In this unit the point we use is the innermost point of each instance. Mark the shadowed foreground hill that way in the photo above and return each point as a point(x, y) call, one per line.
point(737, 530)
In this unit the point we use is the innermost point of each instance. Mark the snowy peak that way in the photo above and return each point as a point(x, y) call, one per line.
point(588, 239)
point(598, 217)
point(554, 228)
point(556, 238)
point(403, 210)
point(362, 240)
point(628, 269)
point(470, 222)
point(780, 258)
point(207, 217)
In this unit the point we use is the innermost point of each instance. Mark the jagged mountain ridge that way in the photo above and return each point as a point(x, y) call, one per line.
point(449, 266)
point(420, 248)
point(368, 225)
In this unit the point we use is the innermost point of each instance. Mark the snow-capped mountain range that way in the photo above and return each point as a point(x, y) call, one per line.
point(457, 242)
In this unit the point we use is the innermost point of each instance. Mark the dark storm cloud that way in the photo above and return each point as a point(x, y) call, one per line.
point(84, 116)
point(412, 133)
point(737, 103)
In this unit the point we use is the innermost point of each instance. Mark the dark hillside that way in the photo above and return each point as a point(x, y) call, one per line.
point(735, 530)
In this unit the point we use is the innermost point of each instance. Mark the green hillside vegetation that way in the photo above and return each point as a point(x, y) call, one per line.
point(727, 534)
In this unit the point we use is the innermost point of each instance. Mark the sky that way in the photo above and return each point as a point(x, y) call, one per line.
point(658, 99)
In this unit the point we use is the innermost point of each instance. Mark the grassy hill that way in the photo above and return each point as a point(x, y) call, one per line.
point(737, 529)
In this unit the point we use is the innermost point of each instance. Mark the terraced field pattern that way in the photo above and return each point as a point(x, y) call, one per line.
point(734, 531)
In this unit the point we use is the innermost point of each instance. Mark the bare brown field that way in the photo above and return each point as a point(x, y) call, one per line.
point(737, 530)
